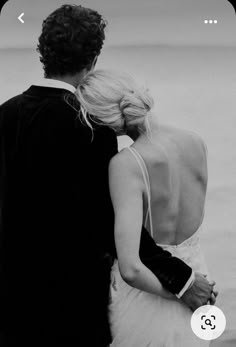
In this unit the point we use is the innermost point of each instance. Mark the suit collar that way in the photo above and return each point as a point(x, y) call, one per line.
point(46, 92)
point(52, 83)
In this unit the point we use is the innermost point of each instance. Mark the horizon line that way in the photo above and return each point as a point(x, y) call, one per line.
point(136, 45)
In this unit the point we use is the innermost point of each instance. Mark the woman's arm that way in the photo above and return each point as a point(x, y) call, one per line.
point(126, 188)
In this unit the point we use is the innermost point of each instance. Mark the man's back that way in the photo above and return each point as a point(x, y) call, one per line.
point(57, 218)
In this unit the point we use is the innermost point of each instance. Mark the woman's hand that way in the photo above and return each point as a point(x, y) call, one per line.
point(213, 297)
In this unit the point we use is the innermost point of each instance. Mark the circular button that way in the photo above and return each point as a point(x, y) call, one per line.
point(208, 322)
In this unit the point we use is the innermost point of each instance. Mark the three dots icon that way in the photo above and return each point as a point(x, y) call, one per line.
point(210, 21)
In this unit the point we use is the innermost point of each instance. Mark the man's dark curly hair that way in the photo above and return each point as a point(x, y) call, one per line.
point(72, 36)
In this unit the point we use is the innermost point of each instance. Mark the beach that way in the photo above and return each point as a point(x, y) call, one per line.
point(193, 88)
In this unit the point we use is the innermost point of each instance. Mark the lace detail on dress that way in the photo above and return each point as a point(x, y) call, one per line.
point(189, 242)
point(190, 252)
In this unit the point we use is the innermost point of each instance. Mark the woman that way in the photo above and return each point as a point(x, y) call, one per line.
point(160, 181)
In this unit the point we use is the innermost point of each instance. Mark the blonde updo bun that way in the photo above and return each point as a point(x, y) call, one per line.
point(135, 107)
point(114, 99)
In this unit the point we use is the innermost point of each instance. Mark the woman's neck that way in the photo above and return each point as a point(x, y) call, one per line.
point(136, 133)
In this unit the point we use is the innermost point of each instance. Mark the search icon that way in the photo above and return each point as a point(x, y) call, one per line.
point(208, 322)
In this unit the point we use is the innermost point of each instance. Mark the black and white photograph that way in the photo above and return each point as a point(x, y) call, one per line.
point(118, 173)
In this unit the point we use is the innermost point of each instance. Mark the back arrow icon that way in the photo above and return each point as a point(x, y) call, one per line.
point(20, 17)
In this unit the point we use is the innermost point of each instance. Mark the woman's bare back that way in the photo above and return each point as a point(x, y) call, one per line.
point(177, 167)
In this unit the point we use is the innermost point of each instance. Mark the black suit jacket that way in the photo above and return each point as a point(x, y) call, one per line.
point(57, 224)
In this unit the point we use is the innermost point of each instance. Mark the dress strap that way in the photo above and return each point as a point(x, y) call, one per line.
point(145, 174)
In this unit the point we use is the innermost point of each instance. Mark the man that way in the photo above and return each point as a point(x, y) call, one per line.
point(57, 217)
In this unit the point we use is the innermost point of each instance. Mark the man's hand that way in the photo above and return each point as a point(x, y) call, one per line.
point(200, 293)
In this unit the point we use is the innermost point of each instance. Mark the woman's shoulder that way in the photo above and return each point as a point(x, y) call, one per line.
point(124, 163)
point(121, 159)
point(189, 138)
point(195, 139)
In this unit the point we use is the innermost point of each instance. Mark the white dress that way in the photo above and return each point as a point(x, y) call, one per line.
point(140, 319)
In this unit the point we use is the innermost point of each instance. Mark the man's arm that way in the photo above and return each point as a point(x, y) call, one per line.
point(103, 147)
point(173, 273)
point(176, 276)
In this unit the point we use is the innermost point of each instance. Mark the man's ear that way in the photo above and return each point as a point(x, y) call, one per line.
point(89, 67)
point(94, 63)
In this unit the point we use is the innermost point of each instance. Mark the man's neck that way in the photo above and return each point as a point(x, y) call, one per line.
point(73, 80)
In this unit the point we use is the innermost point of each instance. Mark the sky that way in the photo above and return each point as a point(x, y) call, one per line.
point(131, 22)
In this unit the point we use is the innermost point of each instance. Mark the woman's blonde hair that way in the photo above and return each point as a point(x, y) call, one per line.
point(114, 99)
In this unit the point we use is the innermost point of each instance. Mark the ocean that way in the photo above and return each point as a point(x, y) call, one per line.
point(193, 88)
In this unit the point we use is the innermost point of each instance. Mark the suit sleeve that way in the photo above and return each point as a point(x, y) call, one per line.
point(172, 272)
